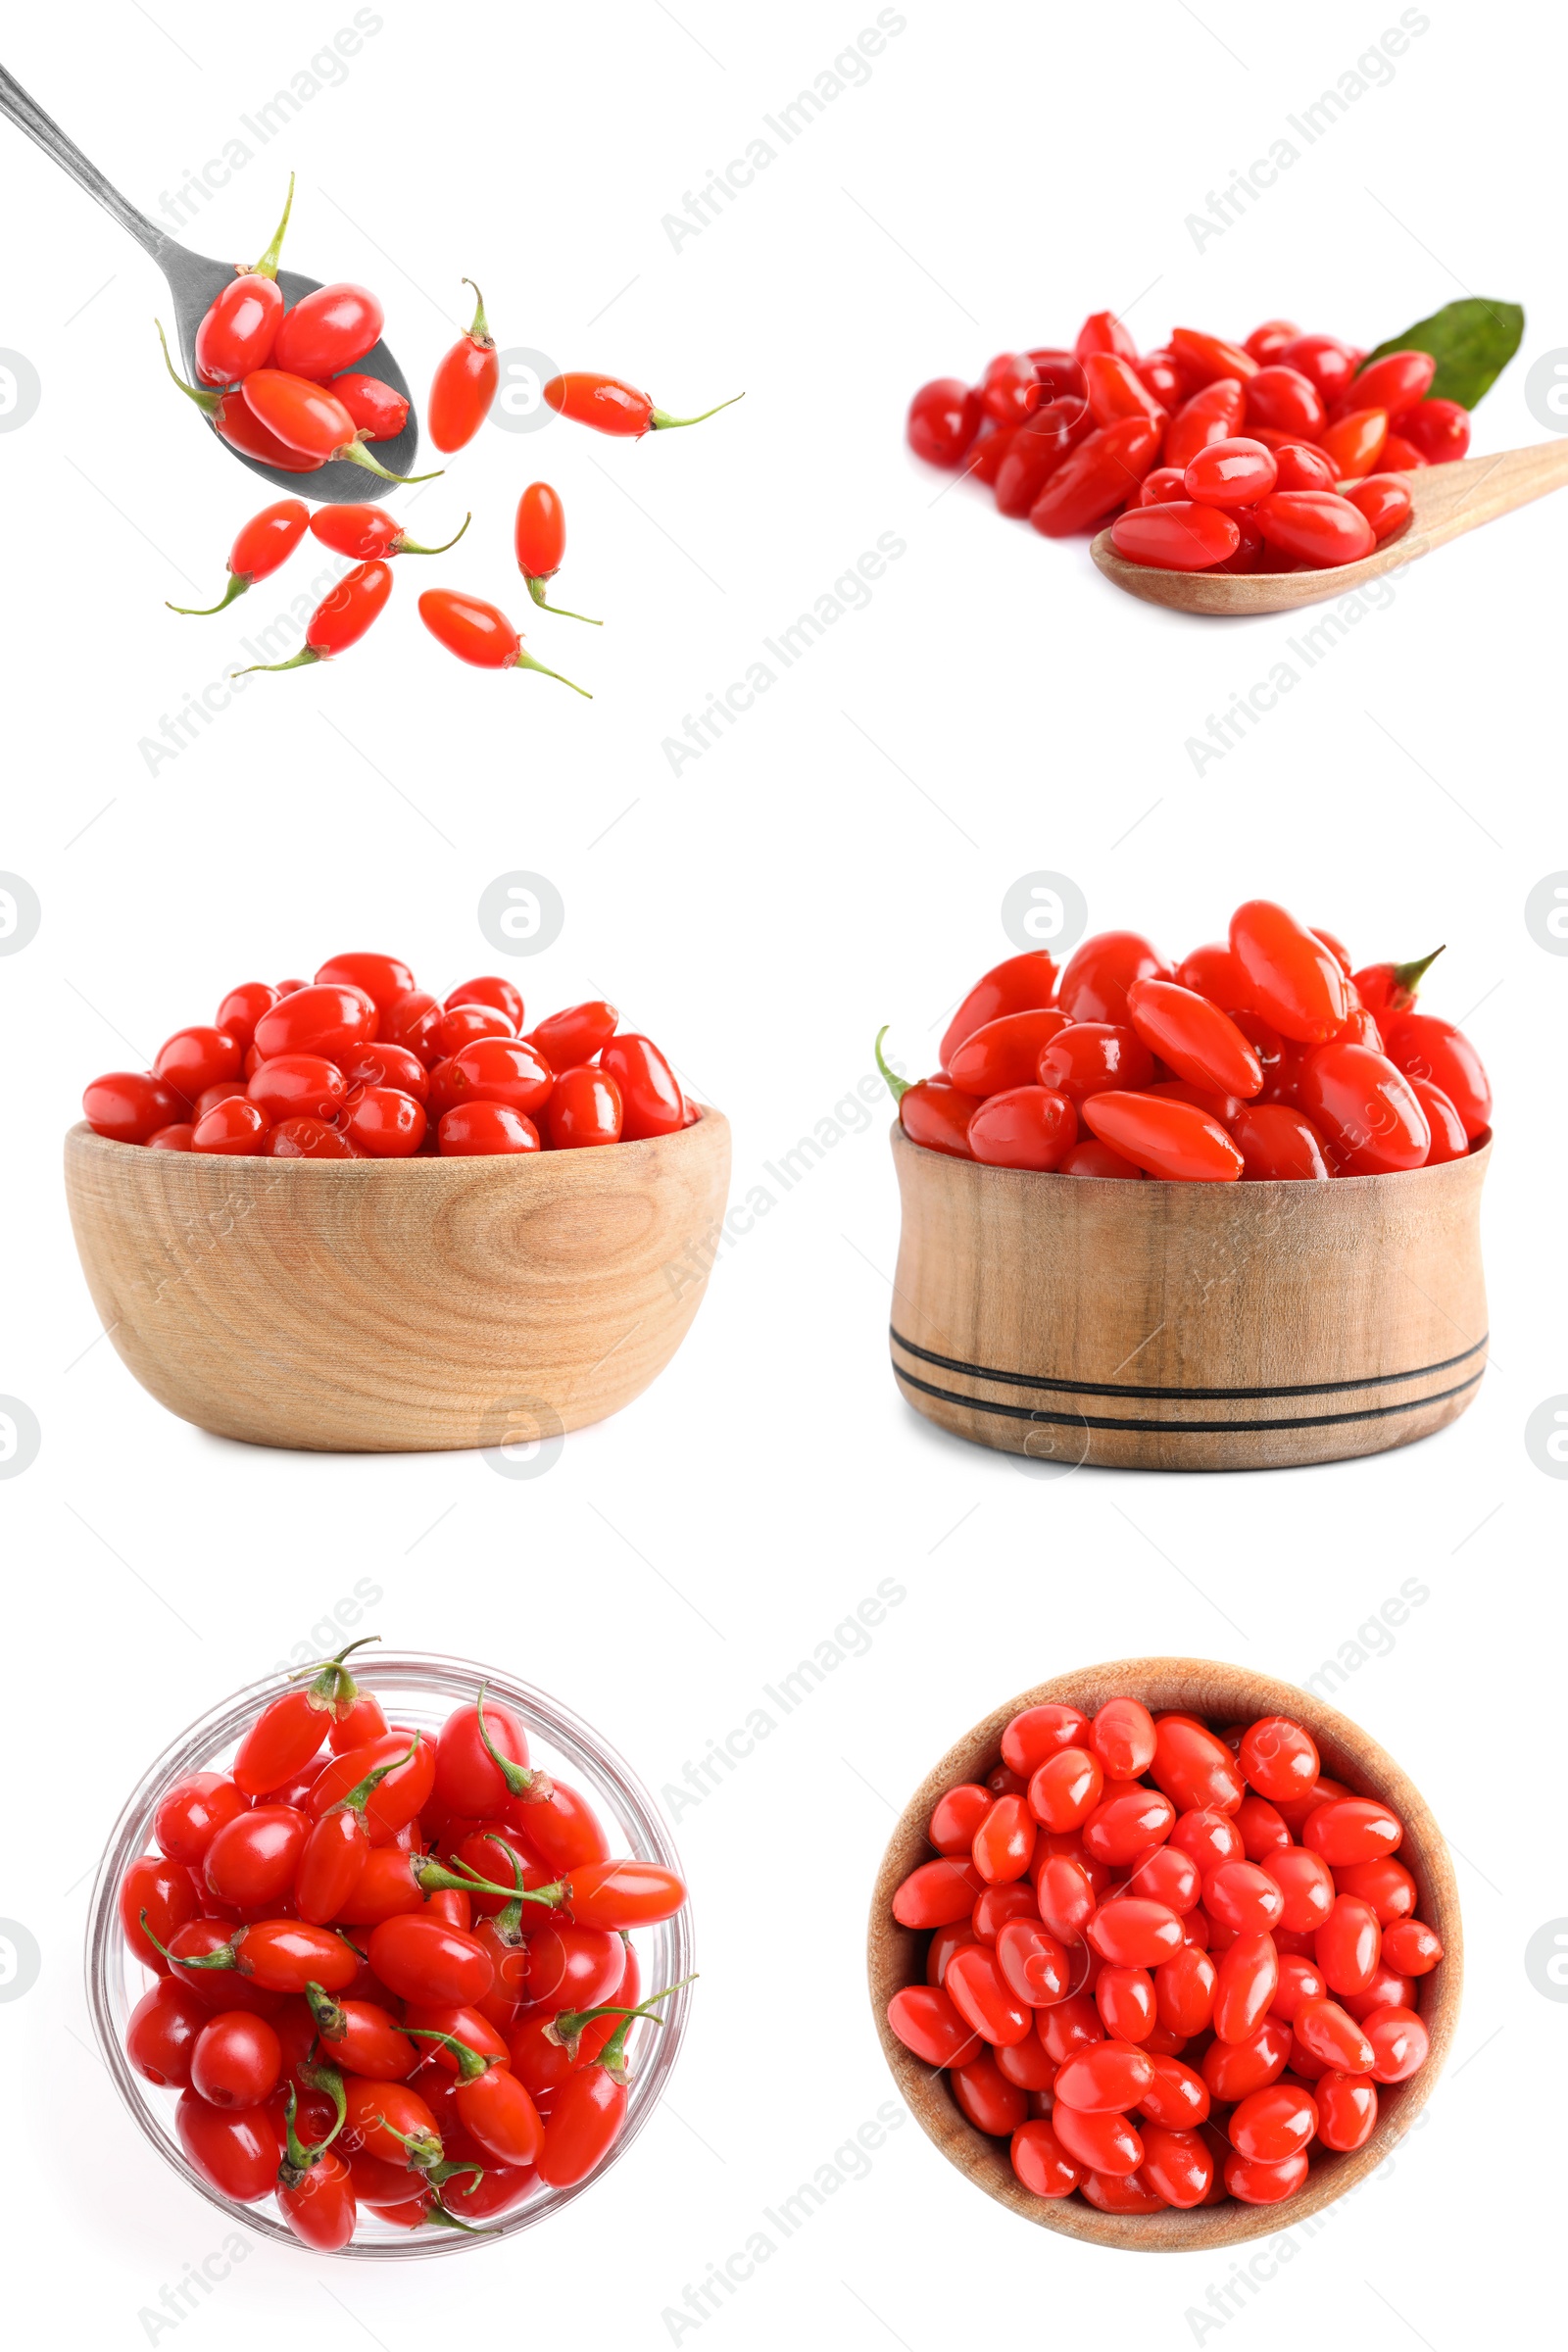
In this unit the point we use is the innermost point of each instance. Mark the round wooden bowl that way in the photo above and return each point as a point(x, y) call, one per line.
point(398, 1305)
point(1145, 1326)
point(1221, 1695)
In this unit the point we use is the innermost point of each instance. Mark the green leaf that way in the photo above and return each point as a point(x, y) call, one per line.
point(1472, 342)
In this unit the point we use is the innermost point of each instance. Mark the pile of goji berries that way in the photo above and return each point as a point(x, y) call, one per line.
point(286, 386)
point(362, 1065)
point(393, 1971)
point(1285, 453)
point(1166, 1963)
point(1265, 1056)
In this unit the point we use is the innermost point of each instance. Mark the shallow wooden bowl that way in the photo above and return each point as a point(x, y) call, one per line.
point(1187, 1326)
point(398, 1305)
point(1221, 1695)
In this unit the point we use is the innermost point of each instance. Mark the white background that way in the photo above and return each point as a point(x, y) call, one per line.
point(837, 861)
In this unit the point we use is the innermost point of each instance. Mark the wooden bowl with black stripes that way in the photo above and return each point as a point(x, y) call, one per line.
point(1148, 1326)
point(1221, 1695)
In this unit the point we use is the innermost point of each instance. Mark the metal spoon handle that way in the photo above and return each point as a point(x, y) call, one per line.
point(29, 116)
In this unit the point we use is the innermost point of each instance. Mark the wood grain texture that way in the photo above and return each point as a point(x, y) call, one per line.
point(398, 1305)
point(1222, 1696)
point(1135, 1325)
point(1447, 500)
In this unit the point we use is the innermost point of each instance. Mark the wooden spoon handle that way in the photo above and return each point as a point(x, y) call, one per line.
point(1450, 500)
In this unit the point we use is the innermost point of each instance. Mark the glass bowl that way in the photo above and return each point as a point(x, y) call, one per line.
point(421, 1691)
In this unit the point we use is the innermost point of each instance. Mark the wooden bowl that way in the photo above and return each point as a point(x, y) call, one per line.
point(1148, 1326)
point(398, 1305)
point(1221, 1695)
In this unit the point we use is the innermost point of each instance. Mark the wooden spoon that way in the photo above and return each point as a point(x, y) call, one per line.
point(1447, 500)
point(194, 282)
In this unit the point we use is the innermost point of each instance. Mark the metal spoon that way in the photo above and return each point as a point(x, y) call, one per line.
point(1445, 502)
point(194, 282)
